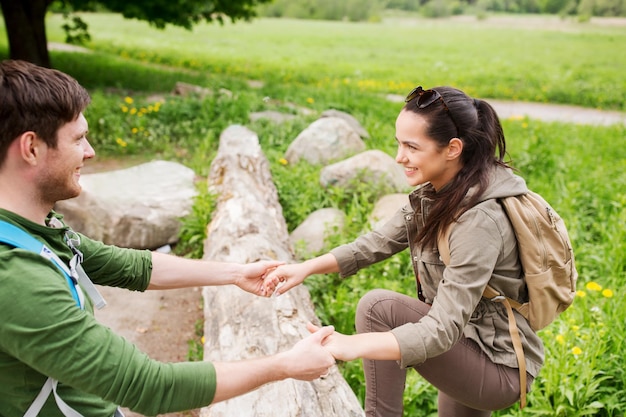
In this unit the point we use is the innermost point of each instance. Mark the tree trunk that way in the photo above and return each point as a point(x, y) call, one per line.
point(26, 30)
point(247, 226)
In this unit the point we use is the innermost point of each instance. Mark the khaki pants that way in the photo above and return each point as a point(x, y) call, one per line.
point(469, 383)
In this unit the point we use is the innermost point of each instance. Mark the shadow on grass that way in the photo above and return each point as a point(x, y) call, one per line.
point(99, 71)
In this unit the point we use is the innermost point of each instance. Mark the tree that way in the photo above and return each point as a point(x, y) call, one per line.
point(26, 27)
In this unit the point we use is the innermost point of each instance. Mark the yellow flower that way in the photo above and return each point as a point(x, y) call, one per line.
point(124, 109)
point(607, 293)
point(576, 350)
point(575, 328)
point(203, 340)
point(283, 161)
point(121, 142)
point(581, 294)
point(133, 110)
point(593, 286)
point(134, 130)
point(310, 100)
point(560, 339)
point(128, 100)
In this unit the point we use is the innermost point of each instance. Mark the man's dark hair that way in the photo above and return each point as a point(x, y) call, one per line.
point(36, 99)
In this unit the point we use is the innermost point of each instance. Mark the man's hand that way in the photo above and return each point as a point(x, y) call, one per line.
point(306, 360)
point(253, 275)
point(309, 359)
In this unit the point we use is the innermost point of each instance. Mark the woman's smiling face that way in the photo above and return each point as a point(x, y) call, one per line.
point(422, 159)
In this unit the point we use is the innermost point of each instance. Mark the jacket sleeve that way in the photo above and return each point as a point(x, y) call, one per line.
point(475, 246)
point(372, 247)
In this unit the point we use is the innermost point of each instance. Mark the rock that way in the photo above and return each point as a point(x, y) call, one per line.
point(138, 207)
point(373, 166)
point(326, 139)
point(272, 116)
point(385, 208)
point(348, 118)
point(309, 237)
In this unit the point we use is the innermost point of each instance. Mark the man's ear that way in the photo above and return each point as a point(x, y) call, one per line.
point(30, 147)
point(455, 148)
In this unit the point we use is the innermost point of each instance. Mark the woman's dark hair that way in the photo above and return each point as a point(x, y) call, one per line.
point(450, 113)
point(36, 99)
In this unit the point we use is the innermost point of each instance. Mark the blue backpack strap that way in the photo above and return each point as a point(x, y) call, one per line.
point(16, 237)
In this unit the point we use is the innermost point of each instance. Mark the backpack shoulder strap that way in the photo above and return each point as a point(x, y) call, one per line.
point(443, 245)
point(18, 238)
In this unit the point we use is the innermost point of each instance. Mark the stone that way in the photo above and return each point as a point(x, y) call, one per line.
point(386, 207)
point(373, 166)
point(310, 236)
point(138, 207)
point(352, 121)
point(272, 116)
point(324, 140)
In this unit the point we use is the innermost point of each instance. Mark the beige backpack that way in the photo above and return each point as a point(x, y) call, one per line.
point(547, 259)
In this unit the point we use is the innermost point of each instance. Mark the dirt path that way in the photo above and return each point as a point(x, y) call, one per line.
point(557, 112)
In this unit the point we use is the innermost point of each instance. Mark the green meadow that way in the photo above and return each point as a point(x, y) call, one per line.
point(286, 65)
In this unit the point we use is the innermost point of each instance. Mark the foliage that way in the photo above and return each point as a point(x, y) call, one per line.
point(355, 10)
point(180, 13)
point(580, 169)
point(193, 230)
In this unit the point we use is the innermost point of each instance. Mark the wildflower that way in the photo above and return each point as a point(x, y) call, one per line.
point(121, 142)
point(593, 286)
point(128, 100)
point(283, 161)
point(134, 130)
point(203, 340)
point(560, 339)
point(607, 293)
point(576, 351)
point(124, 109)
point(133, 111)
point(581, 294)
point(310, 100)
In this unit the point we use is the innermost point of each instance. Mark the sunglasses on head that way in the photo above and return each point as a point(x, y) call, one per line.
point(427, 97)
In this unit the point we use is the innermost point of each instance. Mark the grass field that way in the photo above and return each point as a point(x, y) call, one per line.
point(352, 66)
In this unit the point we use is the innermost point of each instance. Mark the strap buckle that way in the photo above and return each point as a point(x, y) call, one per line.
point(498, 298)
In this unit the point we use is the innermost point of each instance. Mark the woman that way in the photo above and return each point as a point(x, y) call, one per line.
point(452, 149)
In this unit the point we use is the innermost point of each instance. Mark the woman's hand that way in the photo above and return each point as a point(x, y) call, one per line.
point(377, 346)
point(338, 344)
point(283, 278)
point(253, 276)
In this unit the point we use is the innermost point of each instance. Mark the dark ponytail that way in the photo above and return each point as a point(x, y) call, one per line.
point(477, 125)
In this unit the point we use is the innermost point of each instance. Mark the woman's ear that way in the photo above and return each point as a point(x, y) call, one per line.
point(455, 148)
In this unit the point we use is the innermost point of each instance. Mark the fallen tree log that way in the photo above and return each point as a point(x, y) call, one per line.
point(248, 225)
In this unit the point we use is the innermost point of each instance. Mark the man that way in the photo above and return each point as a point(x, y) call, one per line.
point(49, 337)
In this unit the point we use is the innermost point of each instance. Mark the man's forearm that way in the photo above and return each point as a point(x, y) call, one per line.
point(175, 272)
point(237, 378)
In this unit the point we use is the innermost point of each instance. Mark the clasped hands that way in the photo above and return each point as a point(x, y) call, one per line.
point(272, 278)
